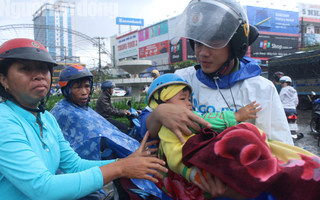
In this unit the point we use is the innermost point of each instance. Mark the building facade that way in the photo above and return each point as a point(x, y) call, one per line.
point(281, 33)
point(152, 43)
point(53, 26)
point(310, 24)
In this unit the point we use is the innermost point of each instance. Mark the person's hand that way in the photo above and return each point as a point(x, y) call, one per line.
point(126, 112)
point(144, 150)
point(247, 112)
point(216, 187)
point(178, 118)
point(139, 165)
point(142, 168)
point(134, 168)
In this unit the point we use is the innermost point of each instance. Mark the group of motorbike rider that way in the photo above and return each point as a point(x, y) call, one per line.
point(37, 143)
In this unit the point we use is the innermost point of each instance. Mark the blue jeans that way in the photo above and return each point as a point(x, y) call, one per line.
point(290, 111)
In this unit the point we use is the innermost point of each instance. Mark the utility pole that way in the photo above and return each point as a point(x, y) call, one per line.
point(65, 53)
point(99, 47)
point(65, 56)
point(302, 33)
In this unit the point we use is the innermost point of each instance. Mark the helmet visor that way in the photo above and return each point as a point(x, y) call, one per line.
point(208, 22)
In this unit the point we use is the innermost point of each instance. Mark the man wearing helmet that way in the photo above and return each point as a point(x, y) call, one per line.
point(155, 74)
point(276, 80)
point(225, 78)
point(208, 149)
point(32, 146)
point(105, 108)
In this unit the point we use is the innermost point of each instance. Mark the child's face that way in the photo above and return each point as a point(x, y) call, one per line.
point(181, 98)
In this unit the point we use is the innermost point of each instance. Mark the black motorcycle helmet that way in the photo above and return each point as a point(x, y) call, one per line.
point(277, 76)
point(24, 49)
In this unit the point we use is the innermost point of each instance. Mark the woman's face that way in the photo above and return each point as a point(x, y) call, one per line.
point(284, 84)
point(80, 92)
point(27, 81)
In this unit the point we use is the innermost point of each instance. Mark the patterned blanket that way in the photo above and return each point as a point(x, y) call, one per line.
point(247, 161)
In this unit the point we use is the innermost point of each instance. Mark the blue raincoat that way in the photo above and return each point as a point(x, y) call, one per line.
point(83, 128)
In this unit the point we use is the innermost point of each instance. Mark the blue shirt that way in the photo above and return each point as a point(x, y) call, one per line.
point(28, 163)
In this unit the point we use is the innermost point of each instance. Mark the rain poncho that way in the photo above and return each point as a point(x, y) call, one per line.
point(83, 129)
point(239, 89)
point(289, 97)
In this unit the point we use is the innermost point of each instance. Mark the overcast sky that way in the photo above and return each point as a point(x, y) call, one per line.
point(92, 22)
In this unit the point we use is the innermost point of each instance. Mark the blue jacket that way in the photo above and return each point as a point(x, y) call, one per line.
point(28, 163)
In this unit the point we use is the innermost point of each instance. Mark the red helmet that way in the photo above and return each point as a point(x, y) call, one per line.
point(27, 49)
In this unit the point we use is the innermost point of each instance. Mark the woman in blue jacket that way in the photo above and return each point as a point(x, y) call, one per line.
point(32, 146)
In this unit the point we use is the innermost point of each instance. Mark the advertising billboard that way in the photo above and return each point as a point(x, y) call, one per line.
point(154, 49)
point(176, 52)
point(129, 21)
point(128, 46)
point(153, 31)
point(273, 45)
point(56, 73)
point(190, 53)
point(273, 20)
point(309, 10)
point(311, 39)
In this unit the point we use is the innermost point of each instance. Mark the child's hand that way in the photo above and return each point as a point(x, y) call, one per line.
point(247, 112)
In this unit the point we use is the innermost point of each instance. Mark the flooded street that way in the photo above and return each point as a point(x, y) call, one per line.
point(310, 139)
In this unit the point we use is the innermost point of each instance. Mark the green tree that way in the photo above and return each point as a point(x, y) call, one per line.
point(311, 47)
point(184, 64)
point(96, 76)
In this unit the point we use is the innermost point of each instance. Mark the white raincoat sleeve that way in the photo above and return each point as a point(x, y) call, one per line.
point(271, 119)
point(289, 97)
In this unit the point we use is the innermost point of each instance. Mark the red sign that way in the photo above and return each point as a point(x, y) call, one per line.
point(154, 49)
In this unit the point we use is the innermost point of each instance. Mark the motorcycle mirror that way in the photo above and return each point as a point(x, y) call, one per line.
point(129, 103)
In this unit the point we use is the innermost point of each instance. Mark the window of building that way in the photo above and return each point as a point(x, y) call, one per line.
point(317, 29)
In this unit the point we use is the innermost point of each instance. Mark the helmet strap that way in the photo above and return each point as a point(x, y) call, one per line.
point(66, 92)
point(109, 91)
point(42, 106)
point(159, 101)
point(223, 68)
point(43, 103)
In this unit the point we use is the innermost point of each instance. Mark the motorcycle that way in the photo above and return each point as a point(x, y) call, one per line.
point(315, 116)
point(135, 126)
point(293, 126)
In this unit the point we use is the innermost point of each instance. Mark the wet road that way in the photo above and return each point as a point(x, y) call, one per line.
point(310, 139)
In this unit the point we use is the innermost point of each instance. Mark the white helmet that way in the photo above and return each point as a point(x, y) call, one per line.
point(215, 23)
point(285, 79)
